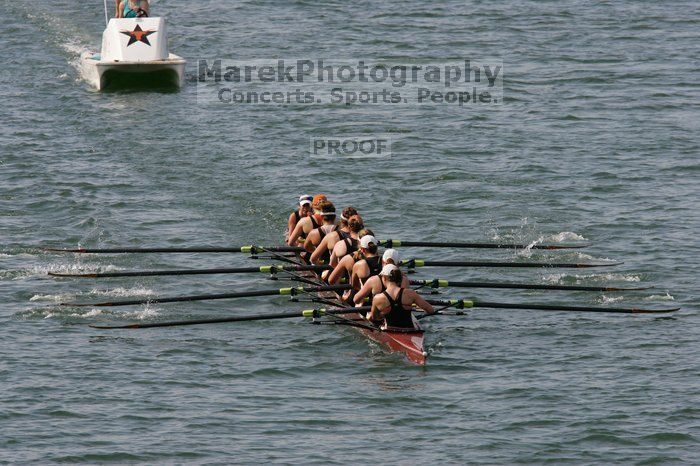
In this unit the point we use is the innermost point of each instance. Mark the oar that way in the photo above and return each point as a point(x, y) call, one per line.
point(395, 243)
point(465, 303)
point(245, 294)
point(272, 269)
point(281, 315)
point(441, 283)
point(244, 249)
point(389, 243)
point(411, 263)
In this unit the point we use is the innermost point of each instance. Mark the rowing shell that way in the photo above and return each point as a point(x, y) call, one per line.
point(406, 341)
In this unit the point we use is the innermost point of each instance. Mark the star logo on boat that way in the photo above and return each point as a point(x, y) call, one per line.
point(138, 35)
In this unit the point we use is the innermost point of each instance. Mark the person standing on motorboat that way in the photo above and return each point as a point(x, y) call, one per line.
point(132, 8)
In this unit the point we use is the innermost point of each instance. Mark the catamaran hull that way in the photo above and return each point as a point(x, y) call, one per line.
point(111, 74)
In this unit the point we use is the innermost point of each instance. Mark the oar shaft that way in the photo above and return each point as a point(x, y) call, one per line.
point(465, 303)
point(424, 263)
point(393, 243)
point(281, 315)
point(389, 243)
point(190, 249)
point(439, 283)
point(152, 273)
point(219, 320)
point(544, 307)
point(206, 297)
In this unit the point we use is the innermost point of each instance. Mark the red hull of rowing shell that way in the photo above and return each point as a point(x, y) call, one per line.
point(408, 343)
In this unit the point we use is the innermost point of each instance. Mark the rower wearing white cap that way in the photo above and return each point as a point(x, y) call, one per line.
point(314, 238)
point(374, 284)
point(343, 267)
point(304, 210)
point(370, 263)
point(394, 305)
point(322, 253)
point(361, 265)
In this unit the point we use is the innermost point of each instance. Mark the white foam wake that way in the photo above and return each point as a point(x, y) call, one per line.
point(562, 278)
point(565, 237)
point(660, 297)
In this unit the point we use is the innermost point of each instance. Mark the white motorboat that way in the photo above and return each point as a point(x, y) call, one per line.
point(134, 54)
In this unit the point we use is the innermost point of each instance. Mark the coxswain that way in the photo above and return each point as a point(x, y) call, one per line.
point(374, 284)
point(322, 253)
point(395, 304)
point(328, 225)
point(304, 210)
point(306, 224)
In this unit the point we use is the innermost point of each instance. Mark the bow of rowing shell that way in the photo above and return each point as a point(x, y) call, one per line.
point(409, 342)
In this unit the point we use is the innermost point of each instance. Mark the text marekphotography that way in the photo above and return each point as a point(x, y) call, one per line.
point(461, 83)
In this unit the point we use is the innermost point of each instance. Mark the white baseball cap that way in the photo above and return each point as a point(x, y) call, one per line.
point(366, 240)
point(387, 269)
point(305, 199)
point(392, 254)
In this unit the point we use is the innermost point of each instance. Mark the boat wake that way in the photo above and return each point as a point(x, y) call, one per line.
point(660, 297)
point(611, 299)
point(72, 315)
point(76, 50)
point(43, 271)
point(564, 237)
point(62, 33)
point(115, 292)
point(583, 279)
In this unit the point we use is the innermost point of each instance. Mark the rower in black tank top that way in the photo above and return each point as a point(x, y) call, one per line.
point(314, 225)
point(351, 245)
point(326, 256)
point(398, 316)
point(372, 295)
point(375, 266)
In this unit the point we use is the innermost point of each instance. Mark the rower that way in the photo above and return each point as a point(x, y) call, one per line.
point(306, 224)
point(350, 243)
point(374, 284)
point(314, 238)
point(394, 305)
point(360, 265)
point(369, 263)
point(322, 253)
point(304, 210)
point(344, 267)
